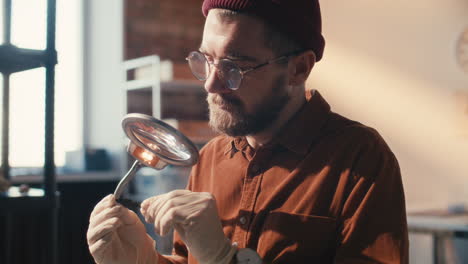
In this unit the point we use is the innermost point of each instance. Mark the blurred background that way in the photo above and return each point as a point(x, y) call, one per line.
point(398, 66)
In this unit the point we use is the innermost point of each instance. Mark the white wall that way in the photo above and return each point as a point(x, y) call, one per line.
point(391, 65)
point(104, 97)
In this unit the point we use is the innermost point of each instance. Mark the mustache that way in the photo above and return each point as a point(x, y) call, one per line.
point(218, 99)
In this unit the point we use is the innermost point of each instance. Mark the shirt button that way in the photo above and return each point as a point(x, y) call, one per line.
point(243, 220)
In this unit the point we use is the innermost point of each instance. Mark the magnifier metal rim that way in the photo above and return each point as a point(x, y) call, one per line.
point(135, 118)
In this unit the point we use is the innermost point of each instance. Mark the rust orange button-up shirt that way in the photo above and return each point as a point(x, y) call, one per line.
point(325, 190)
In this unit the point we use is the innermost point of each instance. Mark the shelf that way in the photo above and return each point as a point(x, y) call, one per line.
point(182, 86)
point(166, 86)
point(16, 59)
point(181, 100)
point(34, 201)
point(137, 85)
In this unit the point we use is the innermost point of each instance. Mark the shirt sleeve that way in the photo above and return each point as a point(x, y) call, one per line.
point(373, 218)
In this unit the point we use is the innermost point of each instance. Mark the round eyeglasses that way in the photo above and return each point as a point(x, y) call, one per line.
point(228, 71)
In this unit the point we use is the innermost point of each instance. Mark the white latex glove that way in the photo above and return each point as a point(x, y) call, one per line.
point(195, 217)
point(117, 236)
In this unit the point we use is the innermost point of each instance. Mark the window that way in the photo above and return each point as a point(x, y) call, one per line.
point(27, 89)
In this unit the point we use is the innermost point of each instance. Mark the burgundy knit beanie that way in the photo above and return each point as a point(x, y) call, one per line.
point(299, 19)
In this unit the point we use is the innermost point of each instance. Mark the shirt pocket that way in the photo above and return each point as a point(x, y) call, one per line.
point(295, 238)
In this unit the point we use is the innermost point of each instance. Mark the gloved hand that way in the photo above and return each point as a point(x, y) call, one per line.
point(195, 217)
point(117, 236)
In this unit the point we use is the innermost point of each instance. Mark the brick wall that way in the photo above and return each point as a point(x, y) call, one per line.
point(168, 28)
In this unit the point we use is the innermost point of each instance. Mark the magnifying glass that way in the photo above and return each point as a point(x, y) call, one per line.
point(154, 144)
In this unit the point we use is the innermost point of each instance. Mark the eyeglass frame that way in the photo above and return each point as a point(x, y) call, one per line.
point(242, 72)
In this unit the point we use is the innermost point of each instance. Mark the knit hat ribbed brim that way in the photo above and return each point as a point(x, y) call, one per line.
point(298, 19)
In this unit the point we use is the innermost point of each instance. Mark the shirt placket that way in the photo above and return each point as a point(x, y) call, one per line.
point(250, 191)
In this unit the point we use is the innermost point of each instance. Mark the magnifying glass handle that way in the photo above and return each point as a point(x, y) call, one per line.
point(126, 179)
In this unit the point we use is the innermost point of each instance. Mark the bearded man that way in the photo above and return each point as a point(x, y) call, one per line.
point(288, 181)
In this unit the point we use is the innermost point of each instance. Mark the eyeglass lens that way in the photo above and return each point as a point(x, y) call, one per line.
point(228, 71)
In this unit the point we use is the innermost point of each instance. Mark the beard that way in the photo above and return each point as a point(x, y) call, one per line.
point(229, 116)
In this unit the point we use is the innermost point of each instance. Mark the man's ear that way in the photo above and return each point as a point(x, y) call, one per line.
point(300, 67)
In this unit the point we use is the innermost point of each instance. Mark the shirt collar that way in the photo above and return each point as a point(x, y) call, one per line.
point(300, 131)
point(305, 126)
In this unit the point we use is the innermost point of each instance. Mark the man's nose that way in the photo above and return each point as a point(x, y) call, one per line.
point(215, 84)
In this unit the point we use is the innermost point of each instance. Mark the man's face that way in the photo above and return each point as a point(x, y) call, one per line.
point(263, 93)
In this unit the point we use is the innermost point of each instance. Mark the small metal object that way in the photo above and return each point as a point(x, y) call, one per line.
point(154, 144)
point(130, 204)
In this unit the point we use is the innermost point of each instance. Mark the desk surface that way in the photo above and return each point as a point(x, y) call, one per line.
point(96, 176)
point(15, 192)
point(13, 201)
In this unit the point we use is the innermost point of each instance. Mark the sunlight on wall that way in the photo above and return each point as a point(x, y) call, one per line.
point(418, 121)
point(391, 65)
